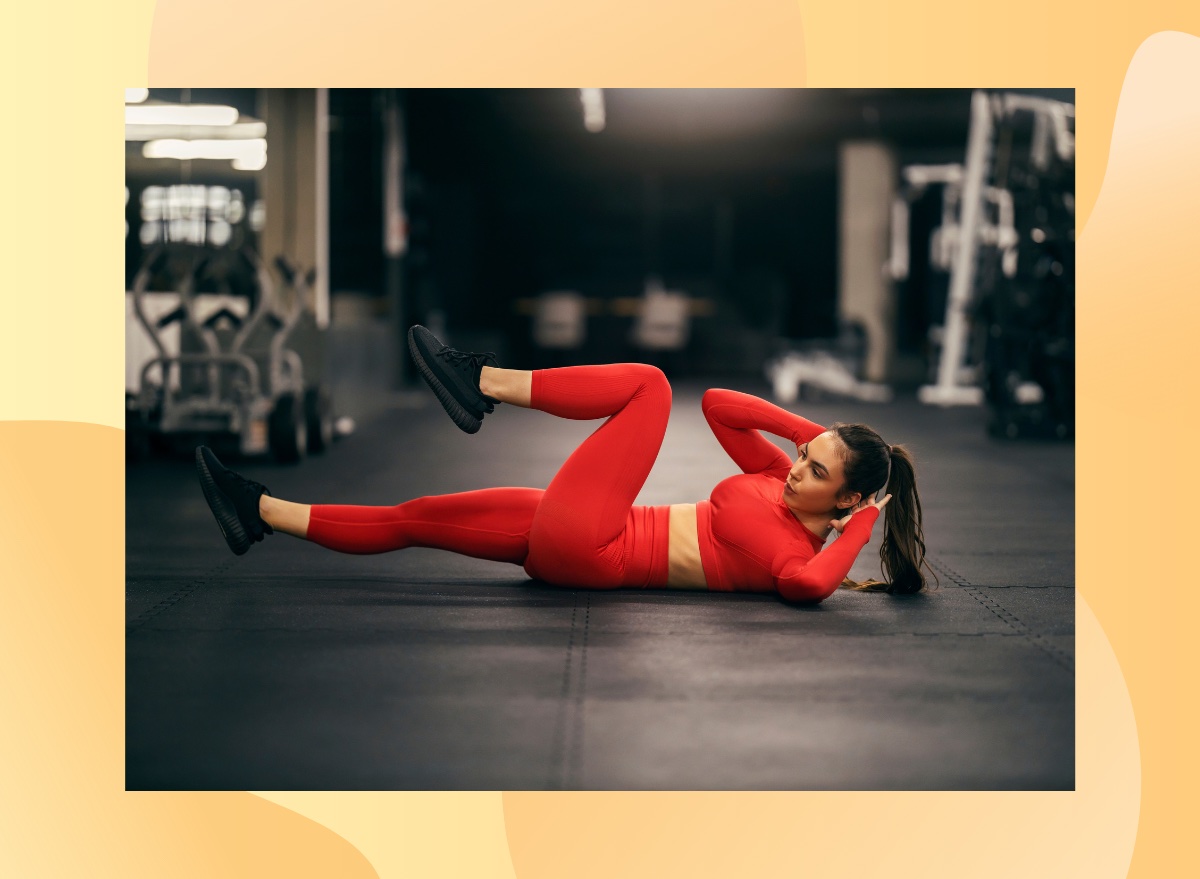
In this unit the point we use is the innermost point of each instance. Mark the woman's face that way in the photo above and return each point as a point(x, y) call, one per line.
point(813, 484)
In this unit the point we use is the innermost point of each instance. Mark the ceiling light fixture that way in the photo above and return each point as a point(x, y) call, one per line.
point(179, 114)
point(593, 109)
point(247, 129)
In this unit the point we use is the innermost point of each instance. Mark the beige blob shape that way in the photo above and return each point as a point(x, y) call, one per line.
point(467, 43)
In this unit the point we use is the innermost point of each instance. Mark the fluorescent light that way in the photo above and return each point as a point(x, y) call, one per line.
point(593, 109)
point(246, 155)
point(179, 114)
point(238, 131)
point(136, 96)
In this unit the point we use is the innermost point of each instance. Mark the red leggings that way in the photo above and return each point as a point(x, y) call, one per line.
point(583, 529)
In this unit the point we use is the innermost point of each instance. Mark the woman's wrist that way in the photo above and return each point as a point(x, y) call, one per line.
point(863, 520)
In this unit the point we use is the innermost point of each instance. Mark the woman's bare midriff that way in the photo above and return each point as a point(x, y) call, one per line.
point(683, 554)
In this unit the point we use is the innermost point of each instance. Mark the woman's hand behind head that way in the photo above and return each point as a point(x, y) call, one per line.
point(839, 524)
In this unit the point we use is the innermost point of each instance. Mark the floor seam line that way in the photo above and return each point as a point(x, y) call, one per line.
point(1006, 616)
point(180, 594)
point(557, 747)
point(575, 766)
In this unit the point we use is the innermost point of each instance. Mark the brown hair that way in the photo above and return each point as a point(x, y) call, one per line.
point(871, 464)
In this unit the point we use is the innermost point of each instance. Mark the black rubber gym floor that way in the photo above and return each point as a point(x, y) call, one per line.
point(294, 667)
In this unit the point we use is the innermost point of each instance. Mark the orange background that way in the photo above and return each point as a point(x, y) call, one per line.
point(64, 811)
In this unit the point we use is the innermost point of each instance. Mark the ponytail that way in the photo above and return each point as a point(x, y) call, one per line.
point(903, 551)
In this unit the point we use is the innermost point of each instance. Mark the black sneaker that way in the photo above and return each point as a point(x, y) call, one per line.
point(454, 377)
point(234, 501)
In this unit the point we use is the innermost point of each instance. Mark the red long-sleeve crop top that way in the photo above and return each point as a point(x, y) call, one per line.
point(749, 539)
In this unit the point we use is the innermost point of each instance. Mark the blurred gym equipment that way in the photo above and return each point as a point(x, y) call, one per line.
point(1008, 238)
point(232, 373)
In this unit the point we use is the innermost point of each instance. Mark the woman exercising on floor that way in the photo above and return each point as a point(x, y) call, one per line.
point(760, 531)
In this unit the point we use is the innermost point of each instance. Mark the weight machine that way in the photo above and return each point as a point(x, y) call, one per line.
point(1007, 239)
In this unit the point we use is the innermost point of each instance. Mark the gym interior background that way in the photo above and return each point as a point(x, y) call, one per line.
point(900, 257)
point(710, 231)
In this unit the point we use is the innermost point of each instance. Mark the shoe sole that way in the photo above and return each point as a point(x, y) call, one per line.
point(226, 516)
point(460, 416)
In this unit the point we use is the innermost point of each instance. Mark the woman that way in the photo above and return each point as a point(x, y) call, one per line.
point(760, 531)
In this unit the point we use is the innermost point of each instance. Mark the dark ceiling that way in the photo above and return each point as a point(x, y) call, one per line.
point(685, 130)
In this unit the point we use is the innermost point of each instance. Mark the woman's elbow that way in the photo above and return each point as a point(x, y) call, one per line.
point(804, 591)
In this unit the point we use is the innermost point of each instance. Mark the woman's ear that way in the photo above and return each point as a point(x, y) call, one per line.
point(849, 500)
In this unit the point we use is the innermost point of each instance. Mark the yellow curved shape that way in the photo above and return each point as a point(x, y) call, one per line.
point(466, 43)
point(1139, 306)
point(64, 810)
point(431, 834)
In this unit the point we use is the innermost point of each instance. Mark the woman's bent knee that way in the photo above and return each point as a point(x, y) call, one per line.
point(654, 381)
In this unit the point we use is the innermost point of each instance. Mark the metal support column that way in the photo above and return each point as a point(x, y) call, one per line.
point(395, 227)
point(948, 391)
